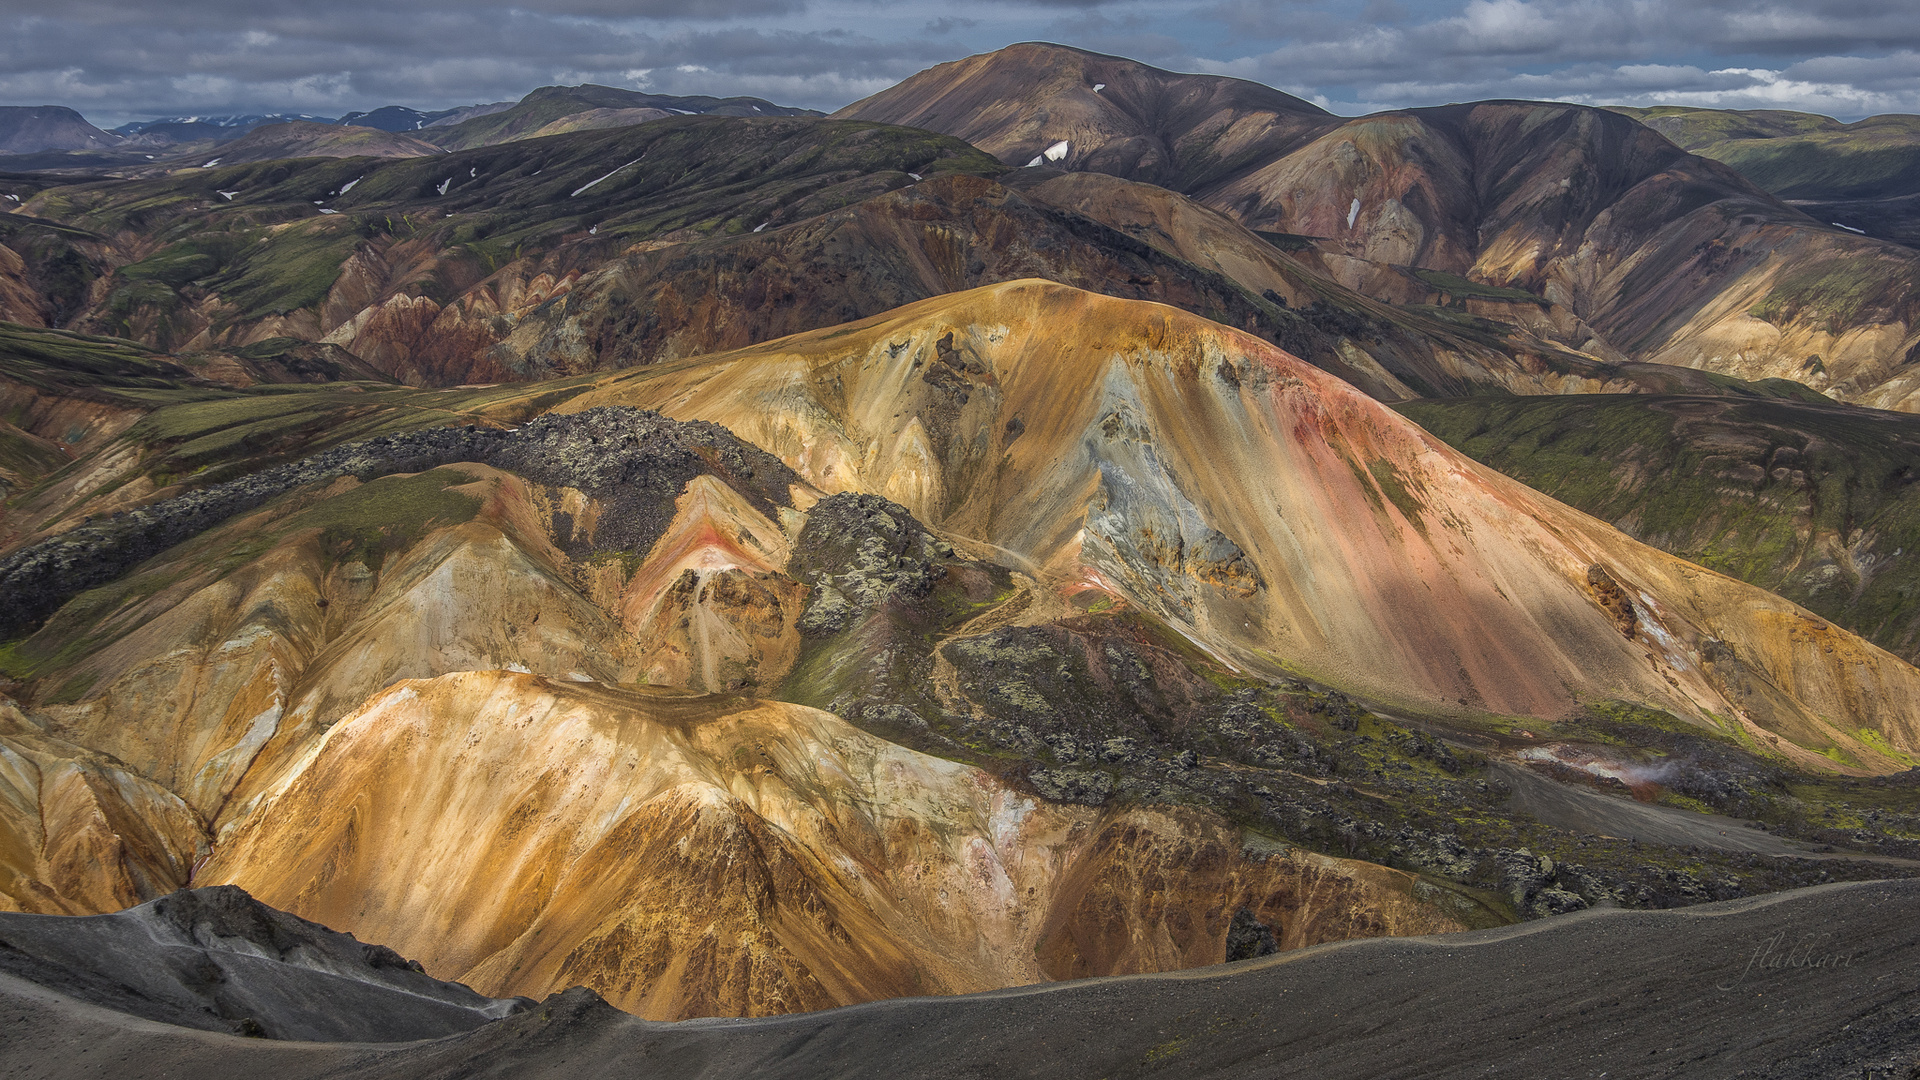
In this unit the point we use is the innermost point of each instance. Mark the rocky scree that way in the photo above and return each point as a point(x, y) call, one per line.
point(636, 460)
point(219, 960)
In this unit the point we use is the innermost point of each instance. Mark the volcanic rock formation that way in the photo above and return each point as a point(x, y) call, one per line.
point(1265, 509)
point(523, 704)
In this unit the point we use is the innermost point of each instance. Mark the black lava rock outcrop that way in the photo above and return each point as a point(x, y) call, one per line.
point(858, 552)
point(1248, 937)
point(637, 462)
point(1083, 786)
point(635, 459)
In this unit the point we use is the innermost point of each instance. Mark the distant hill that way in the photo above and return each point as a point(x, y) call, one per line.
point(177, 130)
point(32, 129)
point(394, 118)
point(460, 116)
point(600, 120)
point(535, 112)
point(1863, 176)
point(1800, 155)
point(301, 139)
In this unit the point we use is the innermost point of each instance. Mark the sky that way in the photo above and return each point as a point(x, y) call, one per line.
point(117, 60)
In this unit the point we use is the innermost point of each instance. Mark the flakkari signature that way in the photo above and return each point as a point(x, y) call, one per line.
point(1804, 954)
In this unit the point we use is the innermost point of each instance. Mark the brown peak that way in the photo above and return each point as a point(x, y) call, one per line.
point(1042, 62)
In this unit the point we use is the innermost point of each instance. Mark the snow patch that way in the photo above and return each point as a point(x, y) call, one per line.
point(348, 186)
point(583, 187)
point(16, 198)
point(1035, 161)
point(211, 164)
point(916, 176)
point(227, 195)
point(595, 231)
point(760, 226)
point(1099, 86)
point(324, 210)
point(1849, 228)
point(475, 171)
point(1353, 213)
point(1056, 151)
point(444, 185)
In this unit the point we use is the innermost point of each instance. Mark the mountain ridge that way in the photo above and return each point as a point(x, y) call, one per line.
point(1632, 248)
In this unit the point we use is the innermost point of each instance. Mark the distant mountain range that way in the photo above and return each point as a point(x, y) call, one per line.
point(60, 138)
point(189, 128)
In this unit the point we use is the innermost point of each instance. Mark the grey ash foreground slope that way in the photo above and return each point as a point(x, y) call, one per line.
point(1821, 982)
point(219, 960)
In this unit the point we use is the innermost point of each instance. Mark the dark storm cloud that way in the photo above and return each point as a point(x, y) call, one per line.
point(203, 12)
point(143, 61)
point(115, 59)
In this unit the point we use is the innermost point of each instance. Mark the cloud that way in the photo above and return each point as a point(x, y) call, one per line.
point(1843, 57)
point(117, 59)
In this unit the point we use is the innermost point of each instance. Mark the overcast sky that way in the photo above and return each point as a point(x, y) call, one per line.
point(116, 60)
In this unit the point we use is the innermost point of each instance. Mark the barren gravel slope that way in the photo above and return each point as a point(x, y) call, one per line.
point(1691, 993)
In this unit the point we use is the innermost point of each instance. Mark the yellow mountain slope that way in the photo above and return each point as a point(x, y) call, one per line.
point(1277, 516)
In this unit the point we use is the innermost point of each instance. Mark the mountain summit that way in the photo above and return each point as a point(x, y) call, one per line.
point(1114, 115)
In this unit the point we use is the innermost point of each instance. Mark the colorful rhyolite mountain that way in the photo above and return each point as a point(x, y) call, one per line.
point(520, 715)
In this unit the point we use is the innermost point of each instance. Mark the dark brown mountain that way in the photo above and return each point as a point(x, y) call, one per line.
point(1580, 224)
point(1185, 132)
point(597, 250)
